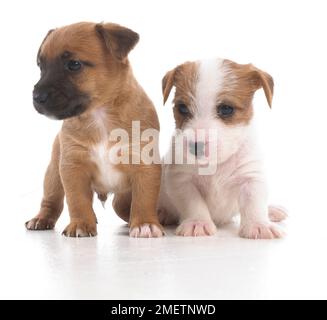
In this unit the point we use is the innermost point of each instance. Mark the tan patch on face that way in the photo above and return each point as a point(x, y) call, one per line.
point(237, 92)
point(184, 78)
point(240, 84)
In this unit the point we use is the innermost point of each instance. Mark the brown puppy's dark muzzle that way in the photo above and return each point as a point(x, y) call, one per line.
point(56, 95)
point(40, 98)
point(48, 102)
point(59, 105)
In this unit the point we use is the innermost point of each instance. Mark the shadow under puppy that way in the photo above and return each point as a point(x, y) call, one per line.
point(214, 130)
point(86, 79)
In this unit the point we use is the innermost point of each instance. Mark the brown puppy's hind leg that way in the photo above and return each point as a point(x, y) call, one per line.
point(122, 205)
point(53, 195)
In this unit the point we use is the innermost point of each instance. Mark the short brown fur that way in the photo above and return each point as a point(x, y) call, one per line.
point(184, 78)
point(71, 172)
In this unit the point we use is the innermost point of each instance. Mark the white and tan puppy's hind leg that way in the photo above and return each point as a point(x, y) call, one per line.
point(277, 213)
point(255, 223)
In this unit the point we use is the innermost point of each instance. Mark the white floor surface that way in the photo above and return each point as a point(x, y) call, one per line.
point(46, 265)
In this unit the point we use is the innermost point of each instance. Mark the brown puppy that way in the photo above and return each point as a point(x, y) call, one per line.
point(86, 79)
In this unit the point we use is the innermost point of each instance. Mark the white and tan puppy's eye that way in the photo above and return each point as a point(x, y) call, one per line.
point(225, 110)
point(183, 109)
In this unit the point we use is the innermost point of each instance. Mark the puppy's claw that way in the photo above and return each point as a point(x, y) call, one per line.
point(196, 228)
point(146, 231)
point(40, 224)
point(80, 229)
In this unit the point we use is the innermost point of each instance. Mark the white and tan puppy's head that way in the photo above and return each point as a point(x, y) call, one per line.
point(213, 104)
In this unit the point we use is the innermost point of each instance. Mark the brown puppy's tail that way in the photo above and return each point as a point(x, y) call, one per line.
point(277, 213)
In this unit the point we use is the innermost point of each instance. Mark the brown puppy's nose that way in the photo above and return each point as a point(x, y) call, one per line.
point(40, 97)
point(197, 148)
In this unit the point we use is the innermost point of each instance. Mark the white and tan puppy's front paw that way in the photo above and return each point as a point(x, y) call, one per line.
point(146, 230)
point(259, 230)
point(196, 228)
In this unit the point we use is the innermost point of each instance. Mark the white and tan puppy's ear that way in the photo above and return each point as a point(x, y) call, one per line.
point(117, 39)
point(265, 81)
point(167, 84)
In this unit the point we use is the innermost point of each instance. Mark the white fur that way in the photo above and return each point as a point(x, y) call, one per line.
point(110, 178)
point(199, 202)
point(211, 74)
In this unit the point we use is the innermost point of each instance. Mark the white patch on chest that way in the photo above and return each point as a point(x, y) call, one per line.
point(108, 179)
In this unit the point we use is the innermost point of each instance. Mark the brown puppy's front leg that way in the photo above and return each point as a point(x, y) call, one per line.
point(144, 221)
point(53, 195)
point(79, 196)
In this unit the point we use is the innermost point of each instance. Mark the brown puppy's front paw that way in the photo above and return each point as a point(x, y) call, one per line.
point(146, 230)
point(40, 224)
point(80, 229)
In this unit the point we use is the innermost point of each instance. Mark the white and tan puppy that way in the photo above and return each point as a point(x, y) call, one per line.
point(216, 169)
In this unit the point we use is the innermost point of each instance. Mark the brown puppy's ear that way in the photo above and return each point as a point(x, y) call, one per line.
point(264, 80)
point(117, 39)
point(45, 38)
point(167, 84)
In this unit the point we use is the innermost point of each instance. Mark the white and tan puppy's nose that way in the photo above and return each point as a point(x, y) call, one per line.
point(197, 148)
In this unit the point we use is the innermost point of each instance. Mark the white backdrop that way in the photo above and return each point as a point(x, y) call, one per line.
point(285, 38)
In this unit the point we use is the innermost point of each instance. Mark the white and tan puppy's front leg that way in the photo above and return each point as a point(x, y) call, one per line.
point(255, 223)
point(195, 219)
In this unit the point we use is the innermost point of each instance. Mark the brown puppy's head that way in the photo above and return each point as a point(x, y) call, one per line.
point(82, 66)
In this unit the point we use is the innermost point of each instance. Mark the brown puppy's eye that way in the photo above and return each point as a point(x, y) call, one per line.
point(225, 110)
point(73, 65)
point(183, 109)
